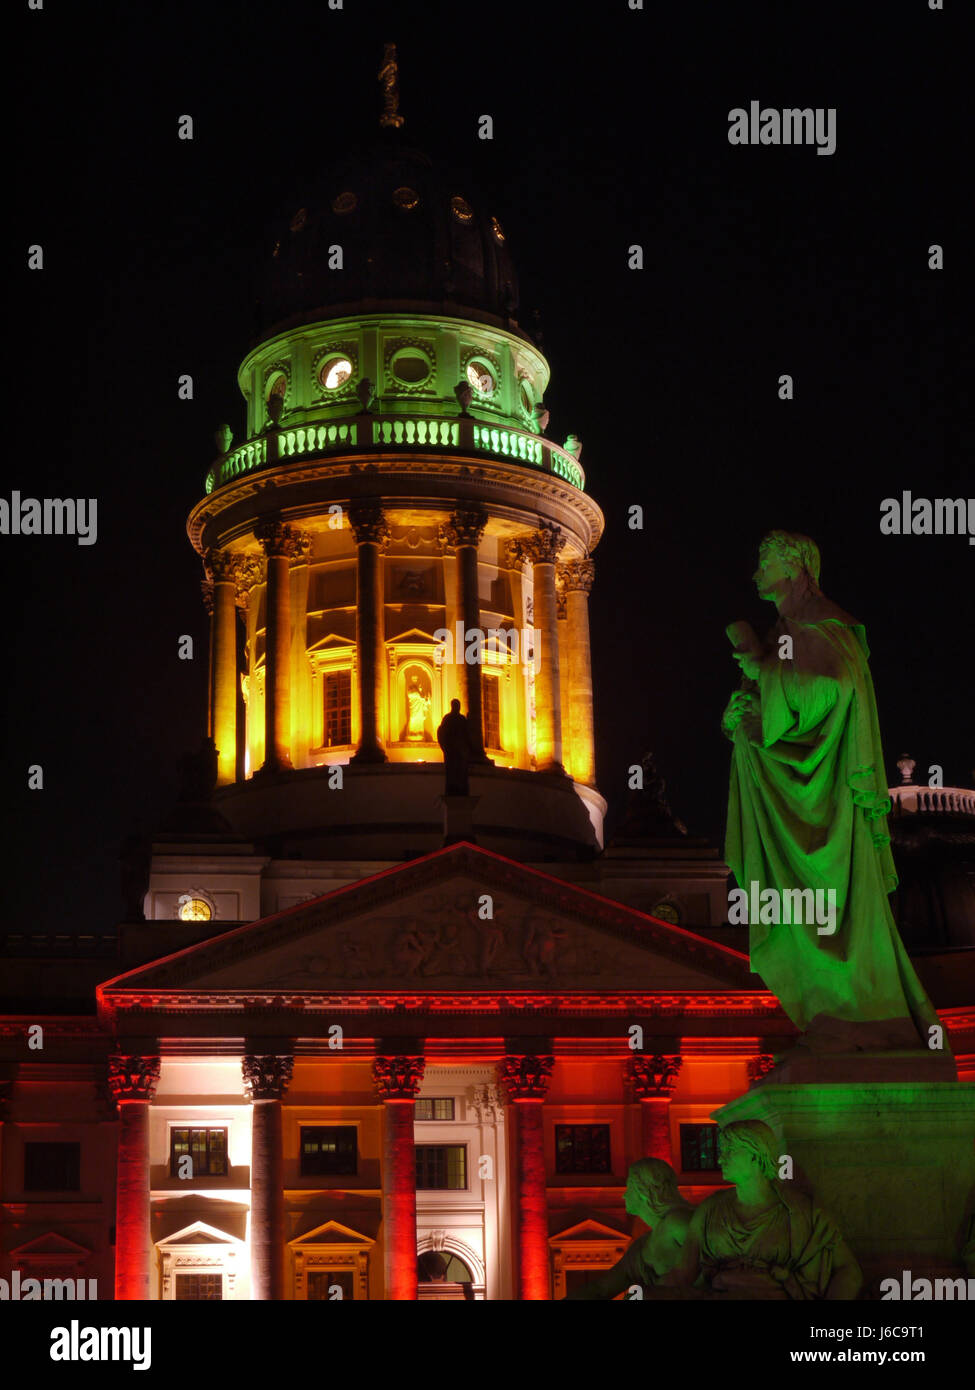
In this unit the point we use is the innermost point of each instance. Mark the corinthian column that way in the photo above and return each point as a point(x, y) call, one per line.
point(464, 532)
point(652, 1079)
point(132, 1083)
point(281, 544)
point(222, 568)
point(542, 548)
point(576, 579)
point(397, 1081)
point(368, 524)
point(525, 1079)
point(266, 1079)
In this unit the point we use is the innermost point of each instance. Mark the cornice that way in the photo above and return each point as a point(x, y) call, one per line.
point(515, 490)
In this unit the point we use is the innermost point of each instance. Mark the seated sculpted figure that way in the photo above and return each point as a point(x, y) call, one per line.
point(651, 1194)
point(763, 1238)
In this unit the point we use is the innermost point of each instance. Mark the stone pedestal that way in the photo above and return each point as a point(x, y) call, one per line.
point(892, 1162)
point(458, 819)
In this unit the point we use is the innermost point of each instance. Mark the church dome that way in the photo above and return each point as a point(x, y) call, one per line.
point(408, 232)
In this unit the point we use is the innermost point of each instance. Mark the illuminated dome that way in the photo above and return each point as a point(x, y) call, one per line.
point(410, 233)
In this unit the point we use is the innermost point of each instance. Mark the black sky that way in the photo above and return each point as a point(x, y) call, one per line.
point(610, 129)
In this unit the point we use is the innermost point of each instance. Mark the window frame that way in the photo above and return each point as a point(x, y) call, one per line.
point(337, 1172)
point(463, 1147)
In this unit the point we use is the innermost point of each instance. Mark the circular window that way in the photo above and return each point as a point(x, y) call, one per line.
point(335, 372)
point(480, 376)
point(345, 202)
point(527, 404)
point(462, 209)
point(406, 198)
point(277, 385)
point(194, 909)
point(496, 229)
point(410, 368)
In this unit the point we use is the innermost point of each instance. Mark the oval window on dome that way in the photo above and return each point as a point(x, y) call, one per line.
point(345, 202)
point(462, 209)
point(299, 219)
point(410, 368)
point(480, 376)
point(277, 385)
point(406, 198)
point(496, 229)
point(527, 404)
point(335, 372)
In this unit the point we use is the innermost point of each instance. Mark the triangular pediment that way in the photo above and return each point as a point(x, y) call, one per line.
point(199, 1233)
point(332, 1233)
point(584, 1232)
point(461, 919)
point(51, 1245)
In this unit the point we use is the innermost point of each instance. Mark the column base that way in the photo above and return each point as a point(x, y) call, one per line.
point(272, 765)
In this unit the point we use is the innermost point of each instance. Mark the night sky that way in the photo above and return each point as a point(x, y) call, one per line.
point(610, 129)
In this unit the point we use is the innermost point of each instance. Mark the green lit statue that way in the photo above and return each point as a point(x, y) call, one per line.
point(762, 1238)
point(651, 1194)
point(807, 819)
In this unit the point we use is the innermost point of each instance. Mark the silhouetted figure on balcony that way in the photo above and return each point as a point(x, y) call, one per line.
point(454, 738)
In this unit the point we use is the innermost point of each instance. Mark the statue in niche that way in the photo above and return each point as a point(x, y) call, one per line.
point(807, 810)
point(652, 1195)
point(763, 1238)
point(419, 708)
point(454, 738)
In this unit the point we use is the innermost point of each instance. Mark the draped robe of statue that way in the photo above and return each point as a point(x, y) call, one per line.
point(807, 809)
point(785, 1251)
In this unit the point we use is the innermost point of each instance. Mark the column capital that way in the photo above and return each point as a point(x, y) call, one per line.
point(266, 1077)
point(132, 1077)
point(399, 1077)
point(526, 1076)
point(280, 540)
point(542, 546)
point(465, 527)
point(369, 524)
point(251, 571)
point(653, 1076)
point(207, 590)
point(221, 565)
point(760, 1066)
point(576, 575)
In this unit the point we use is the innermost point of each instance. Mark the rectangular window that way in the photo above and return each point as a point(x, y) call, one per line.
point(322, 1283)
point(52, 1167)
point(441, 1167)
point(582, 1149)
point(199, 1286)
point(491, 694)
point(337, 726)
point(699, 1148)
point(435, 1108)
point(206, 1147)
point(328, 1150)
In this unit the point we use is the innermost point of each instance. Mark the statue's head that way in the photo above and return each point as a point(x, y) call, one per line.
point(745, 1145)
point(650, 1182)
point(783, 557)
point(455, 707)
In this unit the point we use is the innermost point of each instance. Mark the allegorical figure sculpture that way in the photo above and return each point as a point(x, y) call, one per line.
point(454, 738)
point(807, 811)
point(763, 1238)
point(651, 1194)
